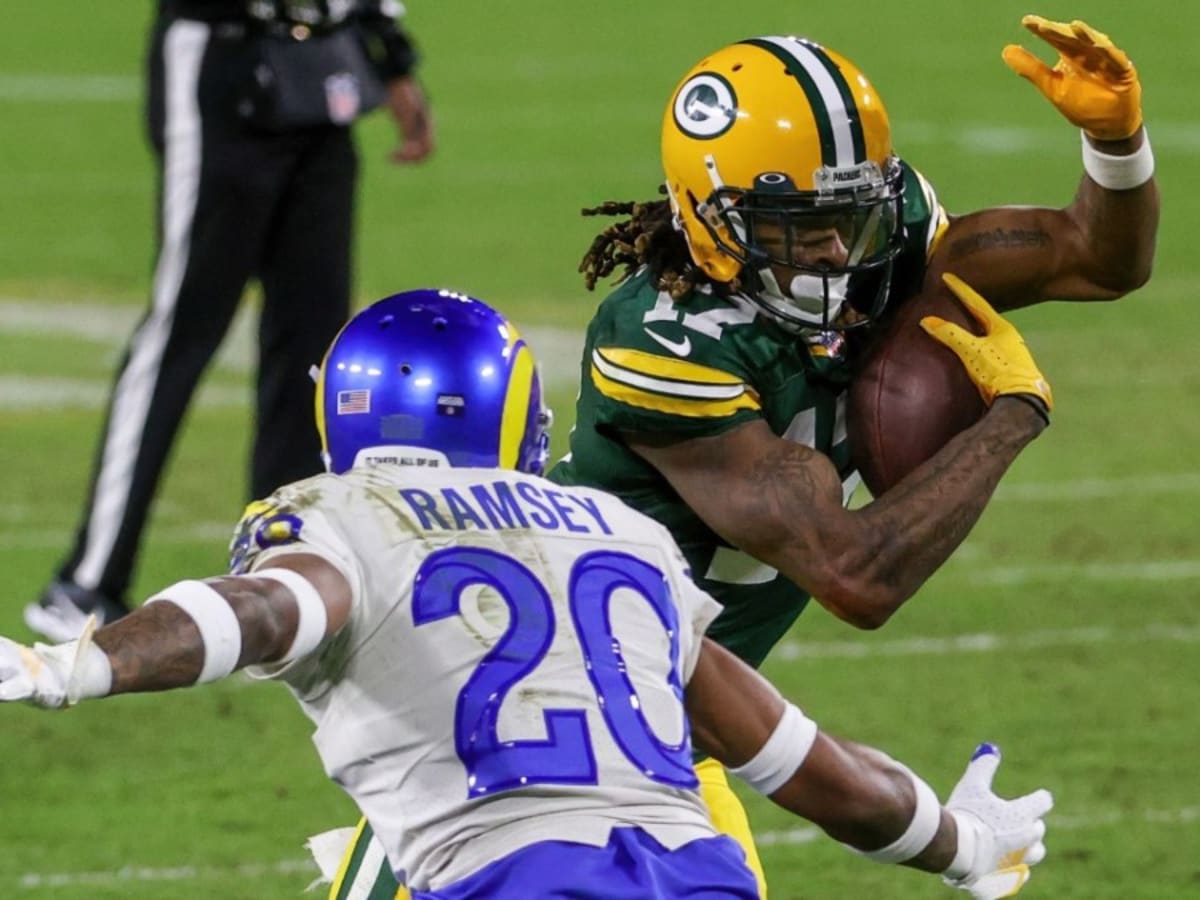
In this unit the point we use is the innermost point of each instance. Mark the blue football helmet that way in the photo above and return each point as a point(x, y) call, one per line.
point(432, 378)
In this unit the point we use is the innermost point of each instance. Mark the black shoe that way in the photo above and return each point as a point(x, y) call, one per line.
point(64, 608)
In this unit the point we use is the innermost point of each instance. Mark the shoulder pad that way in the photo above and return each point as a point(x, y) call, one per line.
point(925, 220)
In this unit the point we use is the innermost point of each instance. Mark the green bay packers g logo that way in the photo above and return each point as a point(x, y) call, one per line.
point(705, 106)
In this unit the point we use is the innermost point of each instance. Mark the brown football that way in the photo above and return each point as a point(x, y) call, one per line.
point(911, 394)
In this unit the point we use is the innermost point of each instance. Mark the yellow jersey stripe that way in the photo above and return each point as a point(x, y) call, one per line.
point(351, 856)
point(692, 407)
point(655, 366)
point(659, 380)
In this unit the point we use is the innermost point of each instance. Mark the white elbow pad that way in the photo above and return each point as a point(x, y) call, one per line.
point(313, 619)
point(220, 631)
point(927, 816)
point(782, 754)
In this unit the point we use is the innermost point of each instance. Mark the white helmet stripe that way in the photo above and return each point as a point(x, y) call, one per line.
point(839, 116)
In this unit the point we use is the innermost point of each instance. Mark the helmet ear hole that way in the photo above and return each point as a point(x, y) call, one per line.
point(405, 369)
point(439, 323)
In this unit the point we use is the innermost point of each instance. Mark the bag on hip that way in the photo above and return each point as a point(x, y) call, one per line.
point(323, 79)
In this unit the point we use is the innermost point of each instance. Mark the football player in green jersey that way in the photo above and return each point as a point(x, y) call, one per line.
point(712, 378)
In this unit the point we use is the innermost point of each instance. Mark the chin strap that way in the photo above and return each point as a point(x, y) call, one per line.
point(803, 304)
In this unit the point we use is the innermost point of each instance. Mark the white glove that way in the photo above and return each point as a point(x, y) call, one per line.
point(998, 839)
point(52, 676)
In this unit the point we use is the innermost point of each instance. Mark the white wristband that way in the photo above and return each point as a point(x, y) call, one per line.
point(82, 668)
point(968, 841)
point(927, 816)
point(91, 675)
point(782, 754)
point(312, 617)
point(220, 631)
point(1119, 173)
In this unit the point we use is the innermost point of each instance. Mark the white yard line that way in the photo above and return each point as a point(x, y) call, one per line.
point(985, 642)
point(1099, 488)
point(1148, 570)
point(50, 538)
point(23, 393)
point(131, 873)
point(1186, 816)
point(70, 88)
point(997, 139)
point(558, 350)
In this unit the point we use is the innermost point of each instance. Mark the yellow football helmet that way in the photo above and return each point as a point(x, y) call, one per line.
point(772, 141)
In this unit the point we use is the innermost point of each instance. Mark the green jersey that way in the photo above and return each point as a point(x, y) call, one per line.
point(700, 366)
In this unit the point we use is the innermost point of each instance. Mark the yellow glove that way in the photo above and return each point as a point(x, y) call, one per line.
point(998, 362)
point(1093, 83)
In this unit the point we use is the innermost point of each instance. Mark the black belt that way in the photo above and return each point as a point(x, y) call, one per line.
point(248, 29)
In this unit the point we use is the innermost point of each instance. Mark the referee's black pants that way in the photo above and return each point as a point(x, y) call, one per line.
point(234, 204)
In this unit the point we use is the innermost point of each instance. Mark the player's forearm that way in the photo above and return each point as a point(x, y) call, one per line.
point(1119, 227)
point(900, 539)
point(154, 648)
point(159, 646)
point(857, 794)
point(864, 799)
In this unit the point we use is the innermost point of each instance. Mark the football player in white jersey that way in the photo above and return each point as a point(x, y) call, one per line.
point(501, 671)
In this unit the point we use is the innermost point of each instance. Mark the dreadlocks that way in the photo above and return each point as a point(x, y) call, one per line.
point(647, 238)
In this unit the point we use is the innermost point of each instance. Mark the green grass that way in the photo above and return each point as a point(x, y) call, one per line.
point(1082, 576)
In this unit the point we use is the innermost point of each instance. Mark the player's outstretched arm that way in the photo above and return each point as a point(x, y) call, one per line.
point(1101, 246)
point(189, 633)
point(860, 796)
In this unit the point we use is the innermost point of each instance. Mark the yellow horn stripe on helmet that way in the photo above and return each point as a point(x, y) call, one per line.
point(515, 418)
point(319, 394)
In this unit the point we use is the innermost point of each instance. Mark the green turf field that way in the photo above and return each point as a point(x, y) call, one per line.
point(1066, 629)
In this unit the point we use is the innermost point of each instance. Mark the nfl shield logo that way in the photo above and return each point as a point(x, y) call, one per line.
point(342, 98)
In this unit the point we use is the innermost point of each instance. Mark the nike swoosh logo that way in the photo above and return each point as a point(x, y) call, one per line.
point(679, 348)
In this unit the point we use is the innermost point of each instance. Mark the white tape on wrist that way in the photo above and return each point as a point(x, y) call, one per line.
point(1119, 173)
point(782, 754)
point(91, 671)
point(968, 841)
point(220, 631)
point(91, 676)
point(312, 617)
point(82, 668)
point(927, 816)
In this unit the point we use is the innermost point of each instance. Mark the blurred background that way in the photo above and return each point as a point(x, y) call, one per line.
point(1065, 629)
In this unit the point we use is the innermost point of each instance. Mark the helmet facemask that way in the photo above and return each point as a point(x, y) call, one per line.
point(812, 260)
point(778, 160)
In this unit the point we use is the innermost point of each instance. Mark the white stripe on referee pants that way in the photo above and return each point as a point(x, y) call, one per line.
point(183, 52)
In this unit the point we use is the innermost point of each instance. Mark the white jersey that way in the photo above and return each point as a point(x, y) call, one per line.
point(512, 668)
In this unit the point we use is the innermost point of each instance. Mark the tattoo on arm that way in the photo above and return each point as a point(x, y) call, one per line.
point(998, 239)
point(933, 511)
point(156, 648)
point(863, 564)
point(786, 486)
